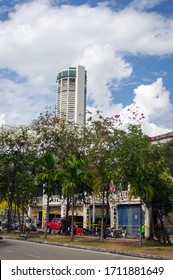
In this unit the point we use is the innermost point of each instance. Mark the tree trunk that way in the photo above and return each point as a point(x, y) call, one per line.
point(67, 222)
point(166, 237)
point(140, 233)
point(107, 209)
point(151, 230)
point(19, 219)
point(47, 214)
point(72, 220)
point(102, 218)
point(9, 216)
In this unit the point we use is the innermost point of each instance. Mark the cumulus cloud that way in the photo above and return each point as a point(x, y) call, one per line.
point(20, 103)
point(154, 100)
point(103, 66)
point(40, 39)
point(155, 95)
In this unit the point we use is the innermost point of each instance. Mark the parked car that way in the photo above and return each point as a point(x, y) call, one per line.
point(59, 225)
point(29, 224)
point(56, 224)
point(14, 224)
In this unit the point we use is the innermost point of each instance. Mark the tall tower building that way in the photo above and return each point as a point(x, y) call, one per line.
point(71, 94)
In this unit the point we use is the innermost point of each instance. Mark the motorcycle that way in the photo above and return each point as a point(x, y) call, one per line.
point(122, 233)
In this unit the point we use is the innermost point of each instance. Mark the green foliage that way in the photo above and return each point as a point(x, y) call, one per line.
point(73, 175)
point(16, 163)
point(163, 194)
point(47, 172)
point(89, 159)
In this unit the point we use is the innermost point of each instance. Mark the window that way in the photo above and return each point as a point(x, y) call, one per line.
point(72, 73)
point(64, 88)
point(65, 73)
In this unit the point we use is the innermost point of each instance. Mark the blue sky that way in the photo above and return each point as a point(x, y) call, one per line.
point(125, 45)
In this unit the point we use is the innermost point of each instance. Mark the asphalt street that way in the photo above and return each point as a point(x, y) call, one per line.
point(25, 250)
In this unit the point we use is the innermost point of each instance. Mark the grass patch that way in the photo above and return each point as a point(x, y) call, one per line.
point(128, 245)
point(148, 246)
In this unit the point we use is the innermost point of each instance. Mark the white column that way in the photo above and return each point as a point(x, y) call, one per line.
point(86, 216)
point(63, 210)
point(30, 212)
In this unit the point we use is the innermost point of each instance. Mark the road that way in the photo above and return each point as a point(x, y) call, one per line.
point(25, 250)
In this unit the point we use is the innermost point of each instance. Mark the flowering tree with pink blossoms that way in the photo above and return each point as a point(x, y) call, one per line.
point(132, 116)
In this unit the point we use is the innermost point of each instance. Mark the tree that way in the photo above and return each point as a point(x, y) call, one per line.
point(102, 141)
point(162, 200)
point(55, 135)
point(143, 166)
point(47, 174)
point(135, 166)
point(72, 177)
point(16, 161)
point(60, 138)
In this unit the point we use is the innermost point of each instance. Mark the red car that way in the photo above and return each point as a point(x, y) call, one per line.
point(56, 224)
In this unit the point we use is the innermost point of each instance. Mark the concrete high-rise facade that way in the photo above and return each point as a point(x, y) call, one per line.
point(71, 95)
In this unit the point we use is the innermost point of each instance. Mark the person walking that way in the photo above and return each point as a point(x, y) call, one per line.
point(143, 231)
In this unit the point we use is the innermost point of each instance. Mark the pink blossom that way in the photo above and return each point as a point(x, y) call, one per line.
point(117, 116)
point(113, 188)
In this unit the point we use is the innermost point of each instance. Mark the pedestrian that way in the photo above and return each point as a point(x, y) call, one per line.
point(143, 231)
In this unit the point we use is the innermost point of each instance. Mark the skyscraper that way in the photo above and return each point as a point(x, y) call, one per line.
point(71, 94)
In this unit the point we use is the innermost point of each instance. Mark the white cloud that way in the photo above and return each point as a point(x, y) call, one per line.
point(103, 66)
point(153, 130)
point(20, 103)
point(145, 4)
point(154, 101)
point(39, 39)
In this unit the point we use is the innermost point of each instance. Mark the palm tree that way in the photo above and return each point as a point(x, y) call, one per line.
point(72, 177)
point(47, 174)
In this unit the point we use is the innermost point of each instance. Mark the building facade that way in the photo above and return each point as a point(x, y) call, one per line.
point(71, 95)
